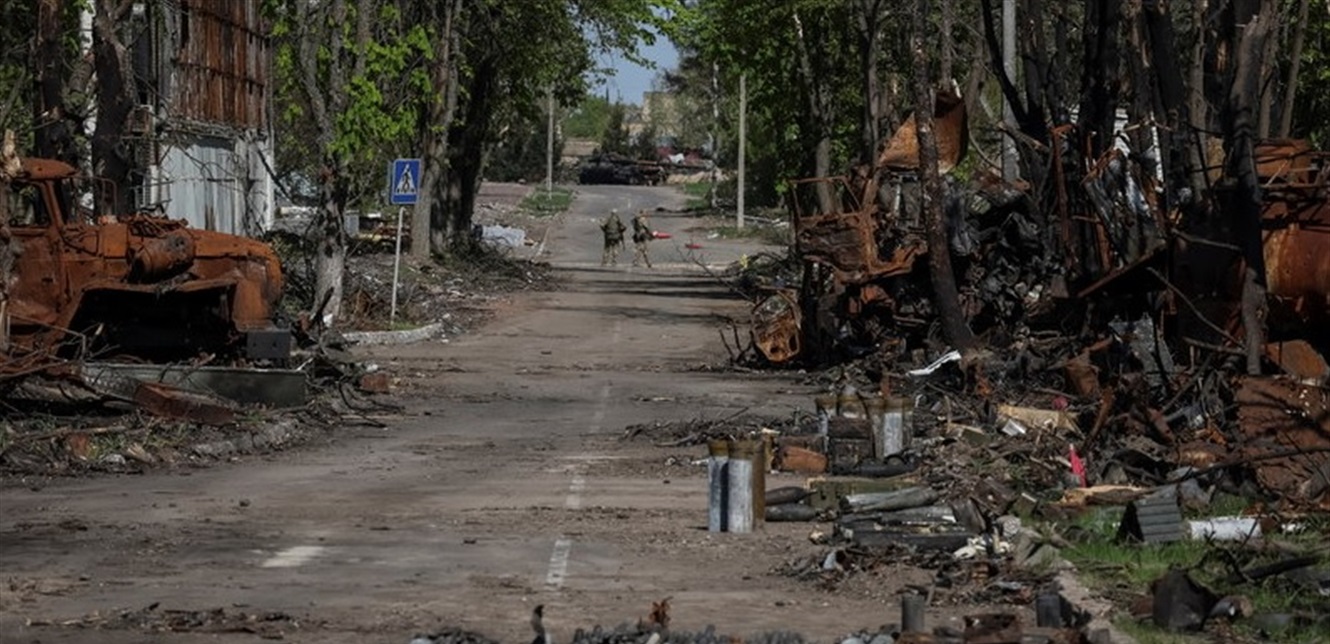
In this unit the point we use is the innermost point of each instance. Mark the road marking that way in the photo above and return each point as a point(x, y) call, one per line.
point(574, 500)
point(563, 546)
point(559, 563)
point(293, 557)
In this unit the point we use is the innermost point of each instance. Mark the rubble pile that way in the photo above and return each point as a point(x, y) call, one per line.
point(1111, 366)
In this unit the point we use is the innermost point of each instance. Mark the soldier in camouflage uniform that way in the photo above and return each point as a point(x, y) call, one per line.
point(613, 229)
point(642, 235)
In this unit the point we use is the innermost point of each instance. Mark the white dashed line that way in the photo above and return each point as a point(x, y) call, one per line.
point(563, 546)
point(293, 557)
point(559, 563)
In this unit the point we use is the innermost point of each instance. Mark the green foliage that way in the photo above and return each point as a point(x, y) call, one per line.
point(521, 155)
point(1108, 563)
point(587, 120)
point(547, 204)
point(614, 138)
point(644, 143)
point(18, 24)
point(381, 93)
point(1313, 99)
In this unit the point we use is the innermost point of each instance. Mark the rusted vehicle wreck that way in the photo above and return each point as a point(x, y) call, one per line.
point(141, 286)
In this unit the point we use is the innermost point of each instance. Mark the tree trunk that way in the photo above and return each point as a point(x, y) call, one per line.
point(1101, 81)
point(1180, 162)
point(819, 117)
point(869, 28)
point(325, 103)
point(945, 296)
point(429, 218)
point(1266, 87)
point(115, 102)
point(1240, 168)
point(56, 122)
point(467, 150)
point(1198, 109)
point(330, 255)
point(1295, 64)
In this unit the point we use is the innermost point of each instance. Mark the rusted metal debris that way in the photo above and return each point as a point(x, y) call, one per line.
point(169, 402)
point(135, 284)
point(1285, 438)
point(1099, 297)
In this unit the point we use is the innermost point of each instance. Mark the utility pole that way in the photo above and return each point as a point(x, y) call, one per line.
point(549, 148)
point(715, 129)
point(743, 141)
point(1009, 170)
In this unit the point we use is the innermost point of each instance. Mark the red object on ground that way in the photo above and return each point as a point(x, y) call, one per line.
point(1077, 465)
point(692, 246)
point(659, 235)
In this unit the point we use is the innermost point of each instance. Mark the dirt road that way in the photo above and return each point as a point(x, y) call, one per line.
point(505, 484)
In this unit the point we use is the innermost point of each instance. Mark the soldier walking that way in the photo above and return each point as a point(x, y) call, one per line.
point(642, 235)
point(613, 229)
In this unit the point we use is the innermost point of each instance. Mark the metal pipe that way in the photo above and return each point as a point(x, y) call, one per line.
point(717, 485)
point(740, 507)
point(912, 613)
point(397, 263)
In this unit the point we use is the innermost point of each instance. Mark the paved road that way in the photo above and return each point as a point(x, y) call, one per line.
point(503, 485)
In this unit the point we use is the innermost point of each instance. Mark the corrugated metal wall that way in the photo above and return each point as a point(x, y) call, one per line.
point(213, 62)
point(221, 62)
point(217, 184)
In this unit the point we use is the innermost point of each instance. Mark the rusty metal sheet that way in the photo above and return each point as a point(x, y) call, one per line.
point(1297, 248)
point(901, 152)
point(777, 324)
point(219, 62)
point(1281, 416)
point(848, 243)
point(1298, 359)
point(169, 402)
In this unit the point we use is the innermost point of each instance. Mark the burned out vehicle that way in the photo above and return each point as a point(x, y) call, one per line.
point(620, 170)
point(138, 285)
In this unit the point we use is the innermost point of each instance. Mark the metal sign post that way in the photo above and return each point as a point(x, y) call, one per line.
point(403, 188)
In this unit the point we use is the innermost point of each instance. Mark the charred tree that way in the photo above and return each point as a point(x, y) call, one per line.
point(946, 297)
point(115, 102)
point(1101, 82)
point(468, 148)
point(58, 110)
point(1295, 66)
point(1182, 163)
point(1244, 206)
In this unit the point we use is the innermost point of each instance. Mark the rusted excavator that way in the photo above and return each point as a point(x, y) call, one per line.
point(137, 286)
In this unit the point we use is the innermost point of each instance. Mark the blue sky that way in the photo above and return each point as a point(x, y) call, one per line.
point(630, 80)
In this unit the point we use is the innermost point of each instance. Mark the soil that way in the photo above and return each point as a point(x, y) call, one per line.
point(510, 476)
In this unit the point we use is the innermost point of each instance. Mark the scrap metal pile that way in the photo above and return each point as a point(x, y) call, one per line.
point(1097, 304)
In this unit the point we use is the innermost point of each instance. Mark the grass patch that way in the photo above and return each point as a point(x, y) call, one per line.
point(547, 204)
point(1125, 570)
point(697, 195)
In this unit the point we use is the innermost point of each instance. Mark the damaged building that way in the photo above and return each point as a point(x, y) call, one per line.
point(202, 132)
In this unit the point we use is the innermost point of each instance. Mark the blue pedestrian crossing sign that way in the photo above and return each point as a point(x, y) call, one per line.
point(404, 182)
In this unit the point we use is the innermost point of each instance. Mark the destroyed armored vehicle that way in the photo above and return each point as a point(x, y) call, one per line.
point(137, 286)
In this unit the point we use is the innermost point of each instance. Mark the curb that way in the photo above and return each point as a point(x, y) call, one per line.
point(407, 336)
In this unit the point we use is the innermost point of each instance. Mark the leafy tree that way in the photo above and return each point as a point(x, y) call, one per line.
point(340, 72)
point(502, 79)
point(644, 143)
point(614, 138)
point(521, 155)
point(588, 118)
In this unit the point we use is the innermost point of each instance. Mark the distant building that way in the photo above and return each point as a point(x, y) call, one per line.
point(662, 110)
